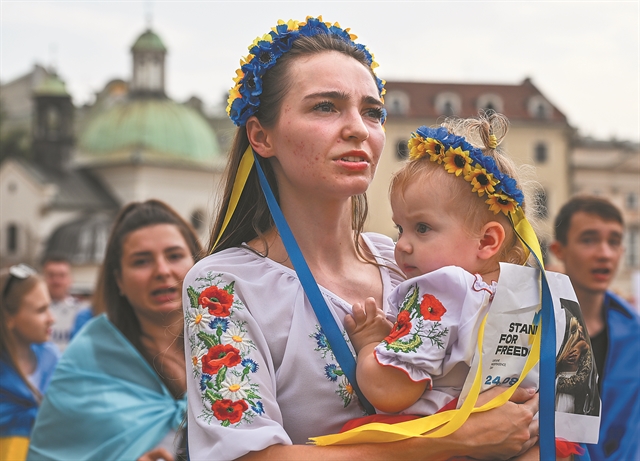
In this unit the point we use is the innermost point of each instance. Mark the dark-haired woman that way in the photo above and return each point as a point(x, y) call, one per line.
point(27, 358)
point(262, 377)
point(118, 392)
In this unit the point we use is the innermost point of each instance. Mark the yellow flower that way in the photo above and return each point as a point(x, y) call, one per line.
point(239, 76)
point(481, 181)
point(457, 161)
point(416, 148)
point(501, 203)
point(234, 93)
point(291, 25)
point(264, 38)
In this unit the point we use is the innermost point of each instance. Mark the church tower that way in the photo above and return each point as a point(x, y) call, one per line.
point(148, 65)
point(53, 137)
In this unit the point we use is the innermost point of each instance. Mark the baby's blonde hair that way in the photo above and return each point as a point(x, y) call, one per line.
point(486, 132)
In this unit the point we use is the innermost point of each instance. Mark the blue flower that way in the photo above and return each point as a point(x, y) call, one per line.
point(219, 322)
point(258, 408)
point(204, 379)
point(510, 187)
point(253, 366)
point(384, 116)
point(332, 372)
point(244, 98)
point(321, 339)
point(251, 88)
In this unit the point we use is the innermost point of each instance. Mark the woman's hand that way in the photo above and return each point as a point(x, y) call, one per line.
point(157, 454)
point(366, 325)
point(503, 432)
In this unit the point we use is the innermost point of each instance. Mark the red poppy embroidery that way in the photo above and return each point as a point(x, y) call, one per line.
point(217, 301)
point(400, 328)
point(222, 355)
point(228, 410)
point(431, 308)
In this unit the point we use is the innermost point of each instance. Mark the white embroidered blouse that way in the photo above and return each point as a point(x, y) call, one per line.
point(435, 336)
point(260, 371)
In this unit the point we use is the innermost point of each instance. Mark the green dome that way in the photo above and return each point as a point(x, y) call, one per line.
point(149, 130)
point(148, 41)
point(51, 86)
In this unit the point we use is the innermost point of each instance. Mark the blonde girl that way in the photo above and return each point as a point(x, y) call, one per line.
point(27, 359)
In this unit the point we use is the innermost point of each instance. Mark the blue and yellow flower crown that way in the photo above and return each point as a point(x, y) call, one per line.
point(462, 159)
point(244, 97)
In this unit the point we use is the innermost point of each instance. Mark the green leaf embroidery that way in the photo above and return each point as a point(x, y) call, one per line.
point(410, 302)
point(229, 288)
point(209, 340)
point(222, 373)
point(406, 346)
point(193, 297)
point(211, 396)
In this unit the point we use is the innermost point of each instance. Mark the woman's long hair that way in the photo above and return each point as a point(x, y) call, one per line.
point(252, 218)
point(9, 306)
point(132, 217)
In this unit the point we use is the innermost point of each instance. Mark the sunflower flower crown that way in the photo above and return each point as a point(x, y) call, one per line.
point(462, 159)
point(244, 97)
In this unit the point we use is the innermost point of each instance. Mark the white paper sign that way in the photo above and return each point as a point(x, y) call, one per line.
point(507, 342)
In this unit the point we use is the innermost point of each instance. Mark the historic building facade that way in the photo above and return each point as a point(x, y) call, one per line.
point(132, 144)
point(611, 169)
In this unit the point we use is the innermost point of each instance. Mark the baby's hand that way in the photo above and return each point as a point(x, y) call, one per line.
point(366, 325)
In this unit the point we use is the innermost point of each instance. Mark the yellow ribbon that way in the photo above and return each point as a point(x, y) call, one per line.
point(444, 423)
point(244, 168)
point(493, 141)
point(525, 232)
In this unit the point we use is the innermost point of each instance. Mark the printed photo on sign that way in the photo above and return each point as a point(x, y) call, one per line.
point(576, 376)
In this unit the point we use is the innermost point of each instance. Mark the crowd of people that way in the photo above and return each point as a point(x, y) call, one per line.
point(246, 353)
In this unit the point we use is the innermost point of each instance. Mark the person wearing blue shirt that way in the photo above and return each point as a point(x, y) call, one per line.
point(588, 241)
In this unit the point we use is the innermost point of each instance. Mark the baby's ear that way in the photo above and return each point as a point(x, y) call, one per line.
point(491, 240)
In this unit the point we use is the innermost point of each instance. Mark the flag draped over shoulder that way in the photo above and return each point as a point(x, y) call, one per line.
point(18, 405)
point(104, 402)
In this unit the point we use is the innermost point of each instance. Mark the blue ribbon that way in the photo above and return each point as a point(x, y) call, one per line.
point(328, 323)
point(547, 416)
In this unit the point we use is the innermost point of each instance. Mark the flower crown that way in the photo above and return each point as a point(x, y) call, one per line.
point(244, 97)
point(462, 159)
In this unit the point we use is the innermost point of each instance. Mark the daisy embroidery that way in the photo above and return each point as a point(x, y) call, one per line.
point(233, 388)
point(220, 345)
point(198, 319)
point(236, 337)
point(197, 353)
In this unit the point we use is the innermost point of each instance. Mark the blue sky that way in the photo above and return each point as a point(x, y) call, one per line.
point(584, 56)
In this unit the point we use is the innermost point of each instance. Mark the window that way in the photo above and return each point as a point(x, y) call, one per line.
point(541, 153)
point(397, 102)
point(631, 201)
point(539, 107)
point(541, 203)
point(448, 104)
point(12, 238)
point(402, 150)
point(490, 102)
point(448, 109)
point(53, 123)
